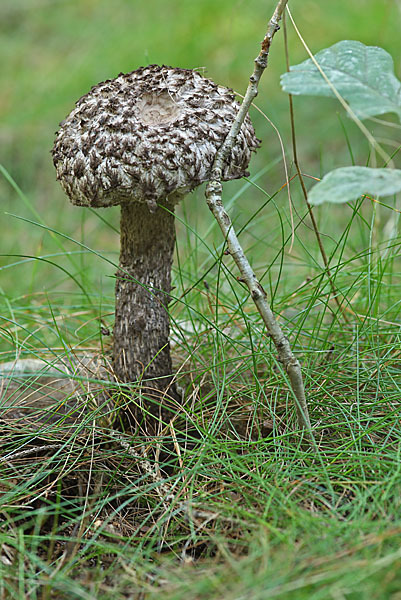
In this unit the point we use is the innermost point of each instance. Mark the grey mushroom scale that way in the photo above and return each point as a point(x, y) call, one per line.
point(144, 140)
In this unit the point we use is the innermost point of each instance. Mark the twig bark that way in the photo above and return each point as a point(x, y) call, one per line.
point(213, 198)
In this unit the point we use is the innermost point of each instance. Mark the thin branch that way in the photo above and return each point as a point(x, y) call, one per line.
point(213, 199)
point(29, 451)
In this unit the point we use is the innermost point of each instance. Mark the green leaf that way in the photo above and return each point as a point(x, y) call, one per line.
point(349, 183)
point(363, 75)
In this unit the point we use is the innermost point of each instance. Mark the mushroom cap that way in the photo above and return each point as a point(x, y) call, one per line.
point(148, 135)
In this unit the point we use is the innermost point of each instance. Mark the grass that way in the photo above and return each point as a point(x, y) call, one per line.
point(248, 509)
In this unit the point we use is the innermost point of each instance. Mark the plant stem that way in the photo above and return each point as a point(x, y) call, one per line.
point(141, 331)
point(323, 254)
point(213, 198)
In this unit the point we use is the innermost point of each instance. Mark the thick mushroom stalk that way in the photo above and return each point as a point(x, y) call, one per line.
point(144, 139)
point(141, 329)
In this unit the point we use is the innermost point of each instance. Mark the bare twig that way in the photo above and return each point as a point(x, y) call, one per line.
point(213, 198)
point(163, 489)
point(29, 451)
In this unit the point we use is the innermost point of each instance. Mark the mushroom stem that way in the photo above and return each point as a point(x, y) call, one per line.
point(141, 330)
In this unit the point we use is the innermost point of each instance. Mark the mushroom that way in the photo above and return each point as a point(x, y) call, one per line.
point(144, 140)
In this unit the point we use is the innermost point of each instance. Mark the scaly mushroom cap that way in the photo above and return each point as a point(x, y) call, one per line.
point(148, 135)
